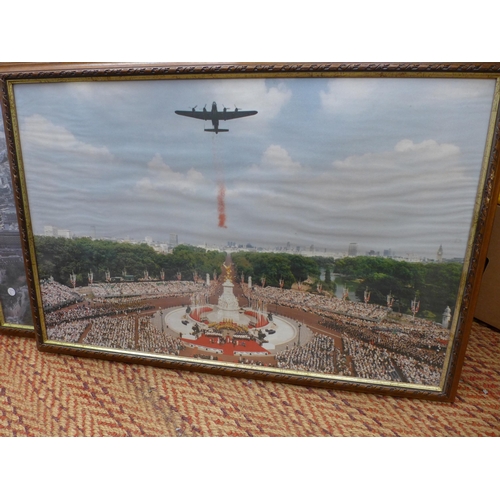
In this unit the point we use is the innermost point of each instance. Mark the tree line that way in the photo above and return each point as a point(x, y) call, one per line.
point(434, 285)
point(60, 257)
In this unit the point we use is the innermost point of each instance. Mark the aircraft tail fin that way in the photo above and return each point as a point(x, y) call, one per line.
point(216, 131)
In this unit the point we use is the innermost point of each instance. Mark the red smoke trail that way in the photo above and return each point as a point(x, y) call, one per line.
point(219, 169)
point(221, 204)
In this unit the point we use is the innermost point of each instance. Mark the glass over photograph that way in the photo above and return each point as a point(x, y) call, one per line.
point(15, 311)
point(315, 225)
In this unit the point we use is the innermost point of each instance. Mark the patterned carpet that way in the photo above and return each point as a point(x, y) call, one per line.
point(49, 395)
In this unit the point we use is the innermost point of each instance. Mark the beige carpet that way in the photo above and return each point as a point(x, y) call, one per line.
point(50, 395)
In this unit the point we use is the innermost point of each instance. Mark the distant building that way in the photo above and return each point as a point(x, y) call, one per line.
point(173, 241)
point(63, 233)
point(353, 250)
point(440, 254)
point(388, 253)
point(55, 231)
point(50, 231)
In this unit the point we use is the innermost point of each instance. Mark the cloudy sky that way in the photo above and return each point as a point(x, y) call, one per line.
point(385, 163)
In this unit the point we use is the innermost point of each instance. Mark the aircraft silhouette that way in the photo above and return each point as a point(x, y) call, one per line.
point(215, 116)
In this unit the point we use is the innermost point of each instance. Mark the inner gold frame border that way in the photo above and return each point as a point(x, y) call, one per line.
point(488, 193)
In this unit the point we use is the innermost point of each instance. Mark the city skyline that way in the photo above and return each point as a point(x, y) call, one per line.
point(388, 163)
point(310, 249)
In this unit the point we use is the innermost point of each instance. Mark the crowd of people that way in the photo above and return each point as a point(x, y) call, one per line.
point(96, 308)
point(118, 333)
point(370, 361)
point(423, 342)
point(374, 346)
point(318, 355)
point(151, 289)
point(151, 340)
point(316, 303)
point(56, 296)
point(68, 332)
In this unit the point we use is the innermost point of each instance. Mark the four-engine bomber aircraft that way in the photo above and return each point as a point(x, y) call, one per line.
point(215, 116)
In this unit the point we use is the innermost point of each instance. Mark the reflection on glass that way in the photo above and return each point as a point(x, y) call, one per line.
point(14, 298)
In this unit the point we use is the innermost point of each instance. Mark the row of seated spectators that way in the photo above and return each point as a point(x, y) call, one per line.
point(151, 339)
point(94, 309)
point(376, 363)
point(315, 303)
point(400, 340)
point(318, 355)
point(149, 288)
point(56, 296)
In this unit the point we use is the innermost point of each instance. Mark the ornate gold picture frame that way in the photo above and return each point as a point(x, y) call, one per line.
point(318, 224)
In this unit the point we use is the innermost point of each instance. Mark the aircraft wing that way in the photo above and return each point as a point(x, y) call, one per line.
point(201, 115)
point(231, 115)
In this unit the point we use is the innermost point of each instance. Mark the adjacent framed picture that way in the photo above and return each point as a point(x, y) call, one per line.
point(317, 224)
point(15, 310)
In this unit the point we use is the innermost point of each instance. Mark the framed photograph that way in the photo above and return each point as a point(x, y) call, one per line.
point(15, 310)
point(317, 224)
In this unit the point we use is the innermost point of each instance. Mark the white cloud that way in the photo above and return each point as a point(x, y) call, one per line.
point(410, 195)
point(406, 154)
point(41, 135)
point(276, 158)
point(57, 163)
point(414, 190)
point(267, 179)
point(161, 178)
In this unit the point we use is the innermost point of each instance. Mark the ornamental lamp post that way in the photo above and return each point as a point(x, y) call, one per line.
point(415, 306)
point(390, 300)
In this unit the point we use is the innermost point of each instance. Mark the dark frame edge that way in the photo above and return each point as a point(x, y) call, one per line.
point(9, 329)
point(490, 193)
